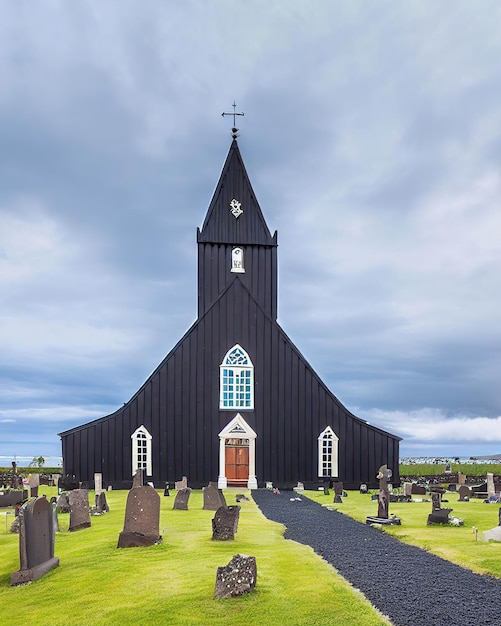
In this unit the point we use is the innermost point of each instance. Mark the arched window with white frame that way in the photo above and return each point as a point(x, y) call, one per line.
point(328, 453)
point(141, 451)
point(236, 380)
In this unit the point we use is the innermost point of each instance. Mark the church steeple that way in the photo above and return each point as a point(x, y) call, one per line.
point(234, 215)
point(235, 229)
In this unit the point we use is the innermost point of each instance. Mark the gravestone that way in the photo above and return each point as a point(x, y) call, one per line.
point(166, 490)
point(36, 542)
point(11, 497)
point(98, 483)
point(142, 519)
point(338, 492)
point(464, 493)
point(418, 490)
point(213, 497)
point(79, 509)
point(438, 515)
point(63, 503)
point(101, 505)
point(236, 578)
point(491, 491)
point(34, 485)
point(138, 480)
point(182, 497)
point(225, 523)
point(407, 489)
point(436, 500)
point(363, 488)
point(384, 475)
point(461, 479)
point(181, 484)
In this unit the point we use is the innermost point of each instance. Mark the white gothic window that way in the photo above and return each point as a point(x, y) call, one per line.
point(237, 260)
point(327, 453)
point(236, 380)
point(141, 451)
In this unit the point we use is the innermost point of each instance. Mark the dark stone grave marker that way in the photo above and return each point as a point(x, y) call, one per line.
point(213, 497)
point(79, 509)
point(418, 490)
point(236, 578)
point(142, 519)
point(36, 542)
point(63, 503)
point(101, 505)
point(464, 493)
point(11, 497)
point(181, 501)
point(225, 523)
point(338, 492)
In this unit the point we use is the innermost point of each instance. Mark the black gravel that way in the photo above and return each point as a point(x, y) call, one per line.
point(410, 586)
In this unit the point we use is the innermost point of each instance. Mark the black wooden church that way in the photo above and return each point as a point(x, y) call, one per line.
point(234, 401)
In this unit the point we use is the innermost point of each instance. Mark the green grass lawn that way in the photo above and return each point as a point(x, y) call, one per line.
point(173, 583)
point(456, 544)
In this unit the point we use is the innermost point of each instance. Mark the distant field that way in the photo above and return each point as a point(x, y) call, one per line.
point(432, 469)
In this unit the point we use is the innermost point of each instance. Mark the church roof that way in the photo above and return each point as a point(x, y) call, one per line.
point(234, 215)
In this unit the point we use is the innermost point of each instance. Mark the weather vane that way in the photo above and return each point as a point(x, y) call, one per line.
point(234, 130)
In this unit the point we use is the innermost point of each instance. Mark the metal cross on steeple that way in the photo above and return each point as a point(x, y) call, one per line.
point(234, 130)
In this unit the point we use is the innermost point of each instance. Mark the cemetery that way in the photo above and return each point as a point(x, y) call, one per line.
point(186, 559)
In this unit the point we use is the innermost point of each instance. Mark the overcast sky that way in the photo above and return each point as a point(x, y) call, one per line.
point(372, 138)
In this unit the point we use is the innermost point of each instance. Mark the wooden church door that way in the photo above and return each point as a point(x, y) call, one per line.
point(237, 460)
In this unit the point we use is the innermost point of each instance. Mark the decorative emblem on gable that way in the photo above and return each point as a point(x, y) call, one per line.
point(236, 207)
point(237, 429)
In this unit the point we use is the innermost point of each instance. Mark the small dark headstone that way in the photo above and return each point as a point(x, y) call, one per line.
point(225, 523)
point(79, 509)
point(11, 497)
point(439, 516)
point(338, 492)
point(63, 503)
point(166, 490)
point(436, 500)
point(418, 490)
point(36, 542)
point(464, 493)
point(236, 578)
point(142, 518)
point(363, 488)
point(213, 497)
point(101, 505)
point(182, 497)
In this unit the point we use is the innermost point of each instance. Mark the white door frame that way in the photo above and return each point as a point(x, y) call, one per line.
point(237, 428)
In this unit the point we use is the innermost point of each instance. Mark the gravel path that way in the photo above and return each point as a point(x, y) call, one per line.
point(408, 585)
